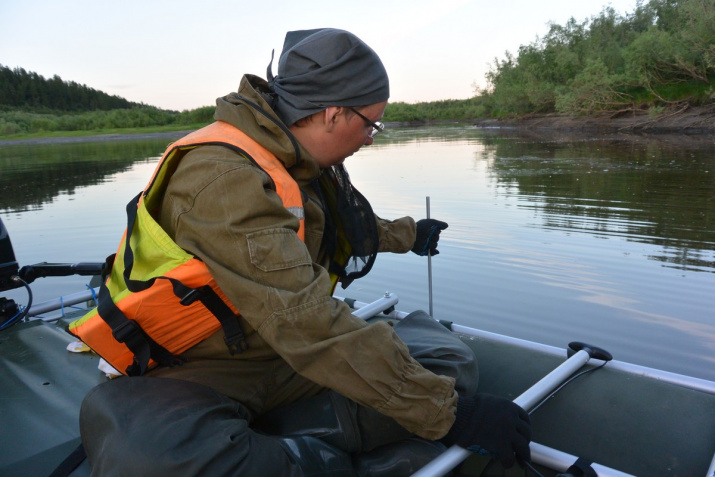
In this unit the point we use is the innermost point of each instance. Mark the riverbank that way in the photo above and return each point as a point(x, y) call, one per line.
point(95, 138)
point(683, 119)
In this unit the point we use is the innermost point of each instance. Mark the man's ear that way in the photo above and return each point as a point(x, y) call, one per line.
point(331, 116)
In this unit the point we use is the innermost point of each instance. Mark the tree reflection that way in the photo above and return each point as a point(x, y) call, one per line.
point(33, 175)
point(657, 190)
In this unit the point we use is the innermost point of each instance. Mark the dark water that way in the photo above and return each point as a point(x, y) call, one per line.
point(608, 240)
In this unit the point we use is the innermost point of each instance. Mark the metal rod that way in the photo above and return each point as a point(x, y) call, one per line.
point(58, 303)
point(532, 396)
point(429, 270)
point(688, 382)
point(377, 306)
point(455, 454)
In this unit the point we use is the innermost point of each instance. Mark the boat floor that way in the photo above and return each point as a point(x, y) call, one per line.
point(636, 424)
point(42, 388)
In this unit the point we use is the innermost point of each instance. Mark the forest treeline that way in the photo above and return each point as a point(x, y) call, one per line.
point(661, 54)
point(31, 103)
point(28, 90)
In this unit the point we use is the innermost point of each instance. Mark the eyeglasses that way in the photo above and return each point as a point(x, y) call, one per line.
point(377, 127)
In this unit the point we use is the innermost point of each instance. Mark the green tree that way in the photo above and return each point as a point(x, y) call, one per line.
point(607, 61)
point(591, 90)
point(29, 90)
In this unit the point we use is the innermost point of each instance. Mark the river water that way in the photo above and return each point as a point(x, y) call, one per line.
point(552, 238)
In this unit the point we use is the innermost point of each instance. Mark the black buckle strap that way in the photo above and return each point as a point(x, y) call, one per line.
point(582, 468)
point(126, 331)
point(234, 337)
point(131, 334)
point(144, 348)
point(193, 295)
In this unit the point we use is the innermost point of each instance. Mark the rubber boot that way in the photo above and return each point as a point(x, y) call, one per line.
point(328, 417)
point(156, 426)
point(335, 420)
point(317, 458)
point(402, 458)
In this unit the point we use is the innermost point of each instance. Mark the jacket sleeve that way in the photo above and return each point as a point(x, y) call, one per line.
point(397, 236)
point(222, 209)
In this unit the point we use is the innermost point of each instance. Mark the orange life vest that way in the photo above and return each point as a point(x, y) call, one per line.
point(159, 300)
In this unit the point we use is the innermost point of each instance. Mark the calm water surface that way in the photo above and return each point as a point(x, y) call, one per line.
point(608, 240)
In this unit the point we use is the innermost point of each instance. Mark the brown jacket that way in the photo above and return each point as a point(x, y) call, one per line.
point(222, 208)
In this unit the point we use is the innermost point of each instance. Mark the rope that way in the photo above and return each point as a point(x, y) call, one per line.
point(94, 294)
point(22, 312)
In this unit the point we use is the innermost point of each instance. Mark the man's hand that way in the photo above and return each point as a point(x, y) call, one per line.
point(494, 425)
point(427, 236)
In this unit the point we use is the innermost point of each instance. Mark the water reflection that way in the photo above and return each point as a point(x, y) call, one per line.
point(551, 238)
point(34, 175)
point(657, 190)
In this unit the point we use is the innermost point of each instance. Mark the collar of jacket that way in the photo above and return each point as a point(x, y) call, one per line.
point(248, 111)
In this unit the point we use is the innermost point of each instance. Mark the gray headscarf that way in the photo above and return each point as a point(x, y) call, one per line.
point(322, 68)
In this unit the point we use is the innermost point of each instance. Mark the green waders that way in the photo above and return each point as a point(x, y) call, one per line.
point(157, 426)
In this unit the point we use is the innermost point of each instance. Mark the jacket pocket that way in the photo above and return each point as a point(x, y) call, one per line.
point(277, 249)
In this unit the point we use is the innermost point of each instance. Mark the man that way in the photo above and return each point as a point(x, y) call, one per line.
point(277, 259)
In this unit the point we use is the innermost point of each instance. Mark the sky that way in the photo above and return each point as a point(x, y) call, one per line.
point(178, 54)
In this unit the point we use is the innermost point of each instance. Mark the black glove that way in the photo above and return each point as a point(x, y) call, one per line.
point(427, 236)
point(492, 424)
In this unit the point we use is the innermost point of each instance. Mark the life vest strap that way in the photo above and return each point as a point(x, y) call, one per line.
point(234, 337)
point(129, 332)
point(135, 332)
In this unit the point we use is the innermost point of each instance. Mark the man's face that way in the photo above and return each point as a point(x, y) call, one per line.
point(349, 134)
